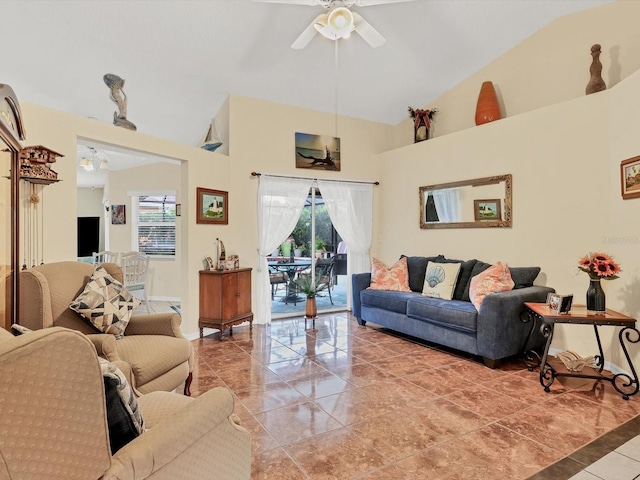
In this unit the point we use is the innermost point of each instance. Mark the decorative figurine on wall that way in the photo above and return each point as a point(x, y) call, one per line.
point(115, 84)
point(421, 123)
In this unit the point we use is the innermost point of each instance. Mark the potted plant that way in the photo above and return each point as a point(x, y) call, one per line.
point(321, 247)
point(298, 250)
point(308, 287)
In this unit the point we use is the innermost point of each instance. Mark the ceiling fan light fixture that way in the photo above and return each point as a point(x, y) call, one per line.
point(341, 22)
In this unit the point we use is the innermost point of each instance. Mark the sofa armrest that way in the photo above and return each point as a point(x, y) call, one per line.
point(53, 413)
point(105, 346)
point(359, 282)
point(202, 434)
point(501, 332)
point(155, 324)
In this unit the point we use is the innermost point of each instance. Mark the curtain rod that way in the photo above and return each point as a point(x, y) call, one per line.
point(257, 174)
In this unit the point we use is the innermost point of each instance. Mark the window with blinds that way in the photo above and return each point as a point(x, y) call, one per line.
point(156, 215)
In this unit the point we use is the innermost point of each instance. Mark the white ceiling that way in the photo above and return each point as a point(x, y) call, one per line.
point(180, 58)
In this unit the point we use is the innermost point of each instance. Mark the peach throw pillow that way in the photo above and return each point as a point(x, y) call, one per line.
point(496, 278)
point(395, 277)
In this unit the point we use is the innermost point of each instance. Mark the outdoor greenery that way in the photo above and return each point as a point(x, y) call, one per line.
point(302, 232)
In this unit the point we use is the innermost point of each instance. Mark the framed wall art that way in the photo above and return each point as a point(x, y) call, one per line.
point(319, 152)
point(488, 209)
point(630, 178)
point(118, 215)
point(212, 206)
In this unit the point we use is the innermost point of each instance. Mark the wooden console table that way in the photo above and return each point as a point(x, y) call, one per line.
point(624, 384)
point(225, 299)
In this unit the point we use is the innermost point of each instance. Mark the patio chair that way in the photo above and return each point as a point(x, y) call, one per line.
point(278, 278)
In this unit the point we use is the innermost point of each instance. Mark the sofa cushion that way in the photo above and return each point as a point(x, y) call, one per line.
point(386, 300)
point(417, 267)
point(494, 279)
point(524, 276)
point(479, 267)
point(394, 278)
point(105, 303)
point(123, 414)
point(455, 314)
point(440, 280)
point(464, 277)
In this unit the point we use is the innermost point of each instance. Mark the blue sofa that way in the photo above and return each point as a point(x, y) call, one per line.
point(494, 333)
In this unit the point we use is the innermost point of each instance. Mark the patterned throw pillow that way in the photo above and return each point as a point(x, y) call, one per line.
point(123, 413)
point(496, 278)
point(395, 278)
point(105, 303)
point(440, 280)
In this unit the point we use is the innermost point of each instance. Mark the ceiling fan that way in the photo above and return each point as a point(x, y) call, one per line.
point(339, 21)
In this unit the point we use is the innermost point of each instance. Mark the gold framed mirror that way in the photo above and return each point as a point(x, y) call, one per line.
point(476, 203)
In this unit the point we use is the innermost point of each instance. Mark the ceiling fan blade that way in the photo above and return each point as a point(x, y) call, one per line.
point(307, 35)
point(367, 3)
point(367, 32)
point(291, 2)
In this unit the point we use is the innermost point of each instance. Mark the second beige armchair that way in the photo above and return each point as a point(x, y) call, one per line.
point(153, 345)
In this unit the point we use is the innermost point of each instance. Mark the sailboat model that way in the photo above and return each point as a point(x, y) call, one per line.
point(212, 140)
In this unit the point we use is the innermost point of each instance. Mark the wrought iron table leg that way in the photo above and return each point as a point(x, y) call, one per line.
point(627, 333)
point(599, 359)
point(547, 372)
point(530, 357)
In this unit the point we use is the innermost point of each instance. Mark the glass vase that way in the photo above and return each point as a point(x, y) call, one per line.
point(595, 297)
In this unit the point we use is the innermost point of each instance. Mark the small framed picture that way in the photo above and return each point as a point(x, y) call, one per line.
point(213, 206)
point(630, 178)
point(559, 303)
point(488, 209)
point(118, 215)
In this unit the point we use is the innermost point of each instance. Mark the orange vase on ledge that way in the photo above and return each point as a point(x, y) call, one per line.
point(488, 108)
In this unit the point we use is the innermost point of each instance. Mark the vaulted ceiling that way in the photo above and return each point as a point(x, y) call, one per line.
point(180, 59)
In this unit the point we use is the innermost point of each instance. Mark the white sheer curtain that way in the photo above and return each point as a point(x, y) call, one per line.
point(280, 202)
point(447, 204)
point(350, 207)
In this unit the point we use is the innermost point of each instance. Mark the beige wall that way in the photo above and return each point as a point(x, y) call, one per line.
point(566, 198)
point(549, 67)
point(164, 274)
point(262, 139)
point(564, 160)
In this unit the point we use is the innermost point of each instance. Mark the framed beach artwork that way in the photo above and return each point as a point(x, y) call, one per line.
point(319, 152)
point(213, 206)
point(487, 209)
point(630, 178)
point(118, 215)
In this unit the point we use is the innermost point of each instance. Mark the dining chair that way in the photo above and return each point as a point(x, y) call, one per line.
point(135, 266)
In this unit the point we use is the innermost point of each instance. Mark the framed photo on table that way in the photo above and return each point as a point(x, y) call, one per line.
point(212, 206)
point(630, 178)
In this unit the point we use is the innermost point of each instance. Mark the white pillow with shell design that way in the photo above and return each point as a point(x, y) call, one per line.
point(105, 303)
point(440, 280)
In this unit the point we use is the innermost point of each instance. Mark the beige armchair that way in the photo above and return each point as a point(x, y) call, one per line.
point(153, 345)
point(53, 420)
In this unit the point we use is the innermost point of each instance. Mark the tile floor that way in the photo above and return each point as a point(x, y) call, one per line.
point(341, 401)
